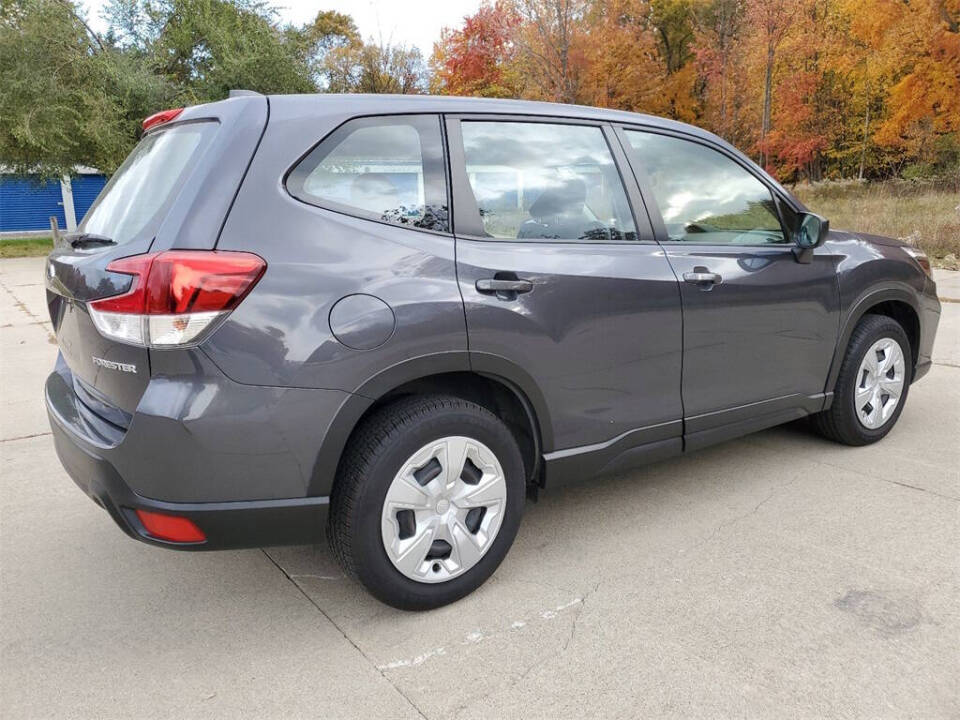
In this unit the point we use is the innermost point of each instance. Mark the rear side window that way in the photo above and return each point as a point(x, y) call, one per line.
point(388, 169)
point(704, 196)
point(542, 181)
point(134, 202)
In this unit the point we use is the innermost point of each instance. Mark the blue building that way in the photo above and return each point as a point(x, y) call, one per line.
point(27, 202)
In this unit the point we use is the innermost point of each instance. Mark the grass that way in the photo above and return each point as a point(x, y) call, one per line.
point(14, 247)
point(924, 214)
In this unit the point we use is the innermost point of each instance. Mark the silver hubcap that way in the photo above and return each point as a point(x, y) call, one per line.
point(443, 509)
point(879, 383)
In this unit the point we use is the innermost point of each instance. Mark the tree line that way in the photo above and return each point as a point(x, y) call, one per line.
point(812, 89)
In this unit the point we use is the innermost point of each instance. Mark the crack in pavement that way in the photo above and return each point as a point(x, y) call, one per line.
point(41, 323)
point(733, 521)
point(538, 662)
point(25, 437)
point(727, 523)
point(934, 466)
point(576, 618)
point(21, 306)
point(888, 480)
point(345, 636)
point(923, 490)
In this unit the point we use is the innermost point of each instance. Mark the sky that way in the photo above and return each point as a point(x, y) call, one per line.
point(402, 22)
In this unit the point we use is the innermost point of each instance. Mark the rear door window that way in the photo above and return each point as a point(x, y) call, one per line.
point(132, 205)
point(545, 181)
point(389, 169)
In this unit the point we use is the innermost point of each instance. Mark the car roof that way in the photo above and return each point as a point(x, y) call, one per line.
point(366, 103)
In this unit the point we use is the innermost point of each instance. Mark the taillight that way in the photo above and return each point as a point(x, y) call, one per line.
point(161, 117)
point(175, 296)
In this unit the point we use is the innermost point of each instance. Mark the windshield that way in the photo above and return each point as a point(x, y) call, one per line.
point(135, 200)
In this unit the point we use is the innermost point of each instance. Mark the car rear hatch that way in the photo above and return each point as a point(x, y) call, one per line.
point(172, 191)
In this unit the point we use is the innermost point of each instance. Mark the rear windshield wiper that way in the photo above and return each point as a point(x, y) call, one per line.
point(87, 239)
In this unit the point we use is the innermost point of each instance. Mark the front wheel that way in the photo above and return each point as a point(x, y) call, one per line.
point(872, 385)
point(428, 501)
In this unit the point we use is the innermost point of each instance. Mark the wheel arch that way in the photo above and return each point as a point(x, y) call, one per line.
point(492, 382)
point(893, 302)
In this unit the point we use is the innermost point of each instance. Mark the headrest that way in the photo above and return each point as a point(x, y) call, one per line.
point(565, 199)
point(372, 183)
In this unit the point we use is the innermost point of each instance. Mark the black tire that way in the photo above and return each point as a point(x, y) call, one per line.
point(377, 450)
point(840, 422)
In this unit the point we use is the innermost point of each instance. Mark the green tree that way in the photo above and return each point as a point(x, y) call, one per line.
point(209, 47)
point(129, 23)
point(328, 32)
point(375, 68)
point(67, 96)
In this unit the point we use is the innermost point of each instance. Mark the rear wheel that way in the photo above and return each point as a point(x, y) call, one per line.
point(428, 501)
point(872, 385)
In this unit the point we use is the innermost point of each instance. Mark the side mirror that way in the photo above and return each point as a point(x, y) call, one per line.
point(811, 233)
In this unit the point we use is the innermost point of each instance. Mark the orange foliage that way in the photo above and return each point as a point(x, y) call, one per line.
point(925, 101)
point(816, 88)
point(622, 65)
point(478, 58)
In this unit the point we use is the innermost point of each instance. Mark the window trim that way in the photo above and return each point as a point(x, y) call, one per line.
point(358, 213)
point(467, 223)
point(653, 207)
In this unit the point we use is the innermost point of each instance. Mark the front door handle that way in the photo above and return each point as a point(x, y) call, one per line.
point(504, 289)
point(702, 276)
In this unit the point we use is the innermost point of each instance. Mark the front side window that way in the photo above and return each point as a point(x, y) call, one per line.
point(385, 168)
point(704, 196)
point(540, 181)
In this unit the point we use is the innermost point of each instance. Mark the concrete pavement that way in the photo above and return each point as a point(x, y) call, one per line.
point(774, 576)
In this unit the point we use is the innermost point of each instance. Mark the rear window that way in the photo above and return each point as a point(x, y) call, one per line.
point(133, 203)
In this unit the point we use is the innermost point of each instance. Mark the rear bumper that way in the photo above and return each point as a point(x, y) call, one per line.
point(234, 524)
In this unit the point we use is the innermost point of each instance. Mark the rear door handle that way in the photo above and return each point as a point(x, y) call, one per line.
point(701, 276)
point(494, 285)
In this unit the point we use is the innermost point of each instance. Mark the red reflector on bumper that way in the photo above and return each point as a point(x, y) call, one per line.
point(170, 527)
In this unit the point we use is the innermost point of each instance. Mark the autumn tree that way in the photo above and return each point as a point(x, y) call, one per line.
point(329, 31)
point(716, 46)
point(771, 20)
point(924, 103)
point(375, 67)
point(673, 22)
point(479, 58)
point(623, 68)
point(816, 88)
point(551, 39)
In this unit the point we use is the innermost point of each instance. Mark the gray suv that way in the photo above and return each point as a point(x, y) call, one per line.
point(393, 318)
